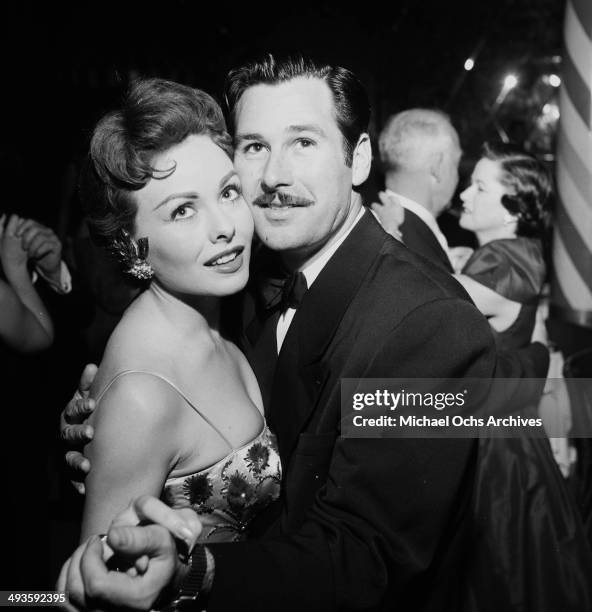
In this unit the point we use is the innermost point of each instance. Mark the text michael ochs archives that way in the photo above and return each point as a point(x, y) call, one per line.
point(397, 408)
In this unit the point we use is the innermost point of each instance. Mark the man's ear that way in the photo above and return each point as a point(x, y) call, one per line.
point(362, 160)
point(437, 166)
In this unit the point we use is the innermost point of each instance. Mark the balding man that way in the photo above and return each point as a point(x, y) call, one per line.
point(420, 152)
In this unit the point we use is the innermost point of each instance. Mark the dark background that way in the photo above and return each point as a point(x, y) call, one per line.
point(64, 66)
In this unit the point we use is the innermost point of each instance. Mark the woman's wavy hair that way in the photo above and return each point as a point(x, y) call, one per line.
point(155, 115)
point(529, 185)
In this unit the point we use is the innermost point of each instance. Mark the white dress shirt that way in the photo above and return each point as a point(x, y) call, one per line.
point(311, 271)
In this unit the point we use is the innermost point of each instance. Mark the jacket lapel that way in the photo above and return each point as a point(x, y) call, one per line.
point(301, 371)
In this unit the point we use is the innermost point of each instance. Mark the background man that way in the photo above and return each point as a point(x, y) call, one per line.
point(420, 153)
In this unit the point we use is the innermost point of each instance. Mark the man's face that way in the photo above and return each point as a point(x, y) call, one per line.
point(290, 159)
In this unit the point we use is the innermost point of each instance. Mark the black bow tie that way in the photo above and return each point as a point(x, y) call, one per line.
point(284, 292)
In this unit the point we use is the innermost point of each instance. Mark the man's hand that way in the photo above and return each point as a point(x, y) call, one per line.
point(73, 427)
point(43, 248)
point(152, 556)
point(390, 213)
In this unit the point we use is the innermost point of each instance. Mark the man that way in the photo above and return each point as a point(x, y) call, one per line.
point(420, 152)
point(369, 524)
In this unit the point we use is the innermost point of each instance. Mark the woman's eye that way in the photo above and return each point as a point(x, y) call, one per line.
point(231, 192)
point(254, 147)
point(182, 212)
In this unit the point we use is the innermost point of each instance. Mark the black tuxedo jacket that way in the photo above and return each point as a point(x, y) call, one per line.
point(418, 237)
point(366, 524)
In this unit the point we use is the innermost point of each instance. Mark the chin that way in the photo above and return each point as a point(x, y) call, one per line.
point(233, 285)
point(462, 222)
point(279, 241)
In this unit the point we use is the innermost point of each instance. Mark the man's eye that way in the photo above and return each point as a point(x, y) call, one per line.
point(182, 212)
point(231, 192)
point(305, 143)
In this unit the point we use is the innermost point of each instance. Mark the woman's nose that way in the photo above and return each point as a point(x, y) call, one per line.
point(222, 225)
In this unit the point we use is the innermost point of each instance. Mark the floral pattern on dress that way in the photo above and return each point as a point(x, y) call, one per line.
point(230, 493)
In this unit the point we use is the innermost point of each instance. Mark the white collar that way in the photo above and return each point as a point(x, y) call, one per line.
point(425, 215)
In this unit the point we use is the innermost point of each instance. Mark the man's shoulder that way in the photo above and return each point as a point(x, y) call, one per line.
point(411, 273)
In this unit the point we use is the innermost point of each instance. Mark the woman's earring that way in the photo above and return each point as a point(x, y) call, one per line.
point(139, 267)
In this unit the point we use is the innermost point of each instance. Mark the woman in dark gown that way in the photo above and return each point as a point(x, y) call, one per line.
point(529, 549)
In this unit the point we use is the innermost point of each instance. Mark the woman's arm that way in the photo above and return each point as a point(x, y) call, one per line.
point(500, 311)
point(26, 324)
point(19, 328)
point(135, 446)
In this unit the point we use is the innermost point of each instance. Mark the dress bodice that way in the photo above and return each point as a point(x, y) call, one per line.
point(230, 493)
point(515, 269)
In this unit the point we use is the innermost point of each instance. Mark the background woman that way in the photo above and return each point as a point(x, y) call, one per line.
point(520, 499)
point(507, 206)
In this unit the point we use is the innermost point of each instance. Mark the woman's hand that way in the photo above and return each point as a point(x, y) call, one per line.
point(459, 256)
point(183, 523)
point(151, 559)
point(43, 247)
point(390, 213)
point(149, 552)
point(12, 253)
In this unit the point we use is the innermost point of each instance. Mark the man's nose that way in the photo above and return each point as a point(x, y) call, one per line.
point(222, 226)
point(277, 172)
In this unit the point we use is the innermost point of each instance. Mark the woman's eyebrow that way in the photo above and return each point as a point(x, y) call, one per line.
point(190, 195)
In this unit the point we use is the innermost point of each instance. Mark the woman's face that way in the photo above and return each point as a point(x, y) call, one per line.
point(198, 226)
point(482, 200)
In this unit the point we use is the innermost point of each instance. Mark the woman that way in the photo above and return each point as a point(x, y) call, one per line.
point(179, 412)
point(528, 534)
point(25, 324)
point(506, 205)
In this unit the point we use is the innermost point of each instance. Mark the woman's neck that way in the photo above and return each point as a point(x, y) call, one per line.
point(497, 233)
point(188, 314)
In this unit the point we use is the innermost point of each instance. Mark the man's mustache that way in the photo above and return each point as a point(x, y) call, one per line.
point(286, 199)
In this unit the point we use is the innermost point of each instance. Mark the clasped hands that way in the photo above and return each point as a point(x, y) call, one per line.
point(147, 540)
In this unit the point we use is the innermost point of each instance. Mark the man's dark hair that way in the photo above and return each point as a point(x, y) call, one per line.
point(352, 108)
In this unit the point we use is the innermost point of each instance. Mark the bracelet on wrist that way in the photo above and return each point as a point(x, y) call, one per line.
point(189, 589)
